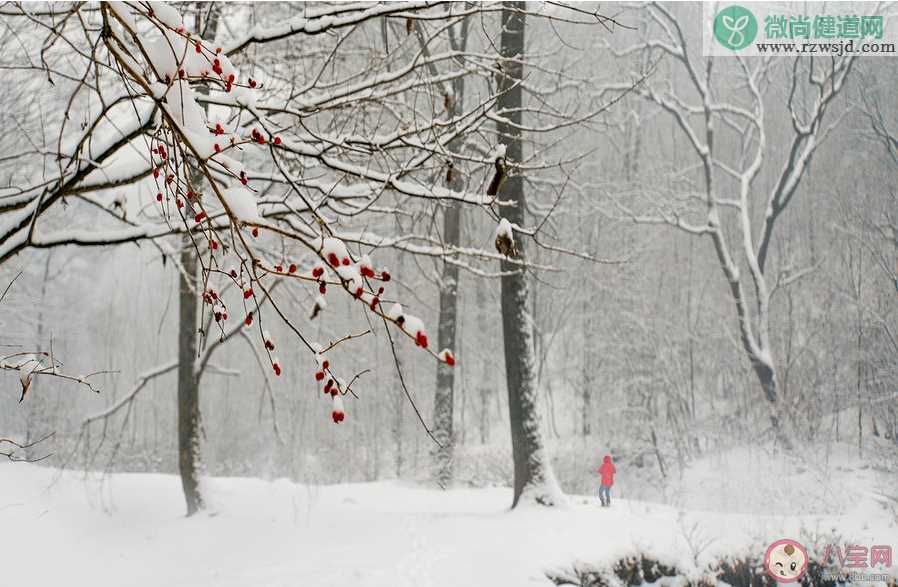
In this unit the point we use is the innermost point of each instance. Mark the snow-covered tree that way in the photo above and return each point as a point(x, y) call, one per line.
point(281, 149)
point(533, 477)
point(723, 198)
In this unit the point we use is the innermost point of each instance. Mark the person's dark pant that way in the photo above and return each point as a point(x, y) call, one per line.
point(605, 494)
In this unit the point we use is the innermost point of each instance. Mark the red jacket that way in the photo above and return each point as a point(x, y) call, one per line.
point(607, 472)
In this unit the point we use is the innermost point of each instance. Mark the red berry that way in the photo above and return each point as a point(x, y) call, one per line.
point(333, 259)
point(248, 293)
point(214, 245)
point(199, 48)
point(450, 360)
point(346, 260)
point(231, 78)
point(233, 274)
point(218, 316)
point(292, 268)
point(319, 375)
point(374, 303)
point(179, 203)
point(277, 369)
point(252, 83)
point(255, 232)
point(243, 179)
point(337, 416)
point(279, 268)
point(199, 217)
point(385, 276)
point(155, 170)
point(322, 289)
point(317, 272)
point(421, 339)
point(159, 197)
point(358, 292)
point(249, 319)
point(269, 345)
point(217, 148)
point(218, 51)
point(277, 140)
point(325, 365)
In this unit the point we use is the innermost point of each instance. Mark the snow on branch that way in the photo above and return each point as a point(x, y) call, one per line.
point(269, 180)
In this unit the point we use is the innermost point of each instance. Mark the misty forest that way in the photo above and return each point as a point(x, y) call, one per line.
point(356, 293)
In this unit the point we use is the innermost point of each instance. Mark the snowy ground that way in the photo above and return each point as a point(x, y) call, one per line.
point(131, 528)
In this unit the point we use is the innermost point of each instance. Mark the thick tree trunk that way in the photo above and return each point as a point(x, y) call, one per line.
point(533, 478)
point(767, 378)
point(190, 430)
point(443, 400)
point(189, 425)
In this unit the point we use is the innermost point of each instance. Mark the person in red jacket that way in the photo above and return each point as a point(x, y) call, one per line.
point(607, 472)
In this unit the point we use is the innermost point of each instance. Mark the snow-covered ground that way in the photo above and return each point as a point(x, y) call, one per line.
point(130, 529)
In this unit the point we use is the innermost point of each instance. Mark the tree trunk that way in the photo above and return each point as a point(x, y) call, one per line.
point(443, 399)
point(189, 418)
point(189, 425)
point(533, 478)
point(443, 404)
point(588, 368)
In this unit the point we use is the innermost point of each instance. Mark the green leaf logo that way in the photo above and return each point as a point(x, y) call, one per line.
point(735, 27)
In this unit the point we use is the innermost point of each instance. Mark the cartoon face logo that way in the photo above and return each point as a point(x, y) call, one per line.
point(786, 561)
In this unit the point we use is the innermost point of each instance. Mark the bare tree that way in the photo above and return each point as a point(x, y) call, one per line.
point(708, 121)
point(533, 477)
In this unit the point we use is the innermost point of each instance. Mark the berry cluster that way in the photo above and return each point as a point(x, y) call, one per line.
point(174, 62)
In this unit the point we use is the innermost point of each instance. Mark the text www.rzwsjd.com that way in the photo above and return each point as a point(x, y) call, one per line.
point(832, 48)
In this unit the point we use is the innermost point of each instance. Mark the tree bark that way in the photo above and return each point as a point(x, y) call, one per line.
point(189, 425)
point(444, 400)
point(533, 478)
point(443, 406)
point(190, 430)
